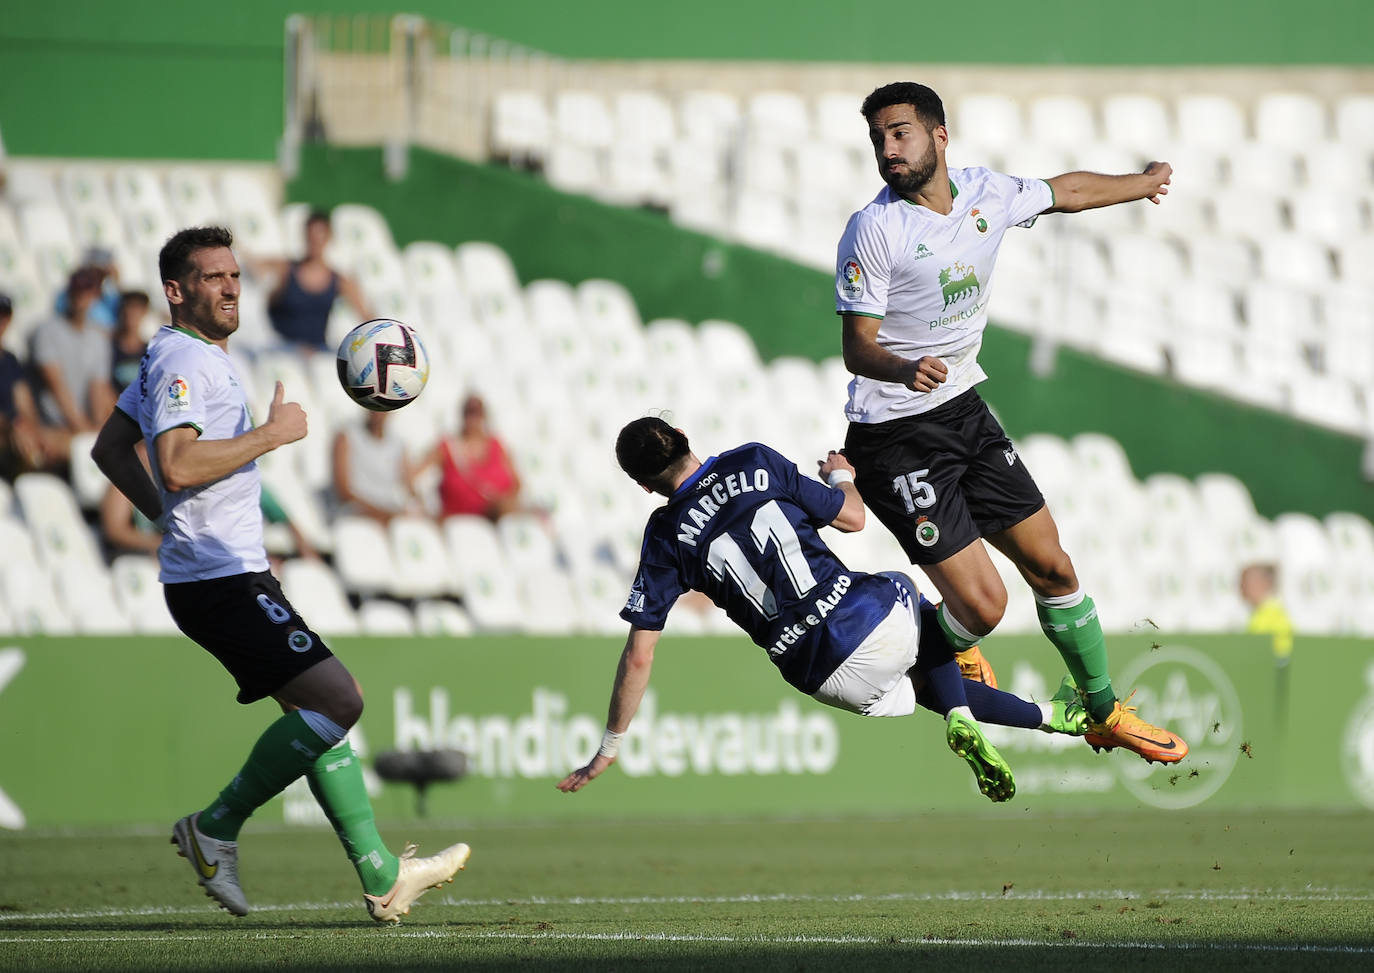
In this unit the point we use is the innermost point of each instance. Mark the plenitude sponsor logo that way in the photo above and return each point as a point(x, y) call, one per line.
point(550, 740)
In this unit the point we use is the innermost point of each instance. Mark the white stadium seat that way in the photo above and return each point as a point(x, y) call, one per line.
point(422, 565)
point(994, 121)
point(442, 618)
point(1069, 117)
point(520, 125)
point(1137, 121)
point(136, 586)
point(61, 538)
point(363, 555)
point(1289, 118)
point(382, 617)
point(1211, 120)
point(316, 593)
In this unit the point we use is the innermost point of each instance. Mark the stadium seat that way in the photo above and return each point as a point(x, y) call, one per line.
point(487, 583)
point(836, 117)
point(379, 616)
point(709, 118)
point(1292, 258)
point(1354, 120)
point(90, 602)
point(644, 118)
point(520, 126)
point(550, 604)
point(574, 168)
point(1329, 216)
point(316, 593)
point(441, 618)
point(991, 121)
point(49, 242)
point(1338, 166)
point(253, 214)
point(1242, 213)
point(191, 194)
point(777, 111)
point(423, 569)
point(1216, 121)
point(1259, 167)
point(139, 593)
point(34, 604)
point(1289, 118)
point(1069, 117)
point(363, 556)
point(1136, 121)
point(582, 119)
point(87, 482)
point(488, 277)
point(31, 182)
point(63, 542)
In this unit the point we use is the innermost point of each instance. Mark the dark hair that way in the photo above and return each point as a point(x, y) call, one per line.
point(317, 216)
point(926, 102)
point(648, 447)
point(132, 297)
point(174, 262)
point(84, 279)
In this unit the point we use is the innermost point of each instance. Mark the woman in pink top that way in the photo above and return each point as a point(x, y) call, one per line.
point(478, 477)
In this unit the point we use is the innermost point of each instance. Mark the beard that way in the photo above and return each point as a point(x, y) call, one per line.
point(205, 315)
point(916, 175)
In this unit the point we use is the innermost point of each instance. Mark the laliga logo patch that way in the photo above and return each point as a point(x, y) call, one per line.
point(927, 534)
point(178, 394)
point(852, 279)
point(979, 221)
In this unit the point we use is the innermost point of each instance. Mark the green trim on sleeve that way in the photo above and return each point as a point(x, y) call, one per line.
point(861, 314)
point(182, 425)
point(1052, 199)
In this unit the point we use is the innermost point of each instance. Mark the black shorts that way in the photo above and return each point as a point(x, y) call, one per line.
point(246, 623)
point(942, 479)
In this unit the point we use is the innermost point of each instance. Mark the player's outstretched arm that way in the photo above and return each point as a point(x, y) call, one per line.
point(838, 472)
point(186, 460)
point(1077, 191)
point(114, 452)
point(864, 356)
point(631, 679)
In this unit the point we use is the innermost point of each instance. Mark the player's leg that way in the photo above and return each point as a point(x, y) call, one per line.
point(908, 471)
point(1069, 618)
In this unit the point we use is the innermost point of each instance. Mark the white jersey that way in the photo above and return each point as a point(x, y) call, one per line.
point(927, 277)
point(213, 530)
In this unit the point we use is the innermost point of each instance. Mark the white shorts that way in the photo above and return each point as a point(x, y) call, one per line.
point(873, 681)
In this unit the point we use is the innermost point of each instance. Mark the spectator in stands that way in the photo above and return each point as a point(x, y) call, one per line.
point(127, 344)
point(1259, 585)
point(299, 305)
point(124, 529)
point(21, 441)
point(372, 474)
point(70, 359)
point(478, 477)
point(105, 310)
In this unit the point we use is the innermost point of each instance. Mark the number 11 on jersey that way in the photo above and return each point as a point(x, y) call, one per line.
point(725, 556)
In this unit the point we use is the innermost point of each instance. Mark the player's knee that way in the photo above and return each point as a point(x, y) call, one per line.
point(987, 611)
point(1053, 575)
point(346, 709)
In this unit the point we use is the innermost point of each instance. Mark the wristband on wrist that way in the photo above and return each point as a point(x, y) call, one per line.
point(610, 743)
point(837, 477)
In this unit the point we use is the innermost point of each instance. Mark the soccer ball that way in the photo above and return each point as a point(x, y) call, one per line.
point(383, 364)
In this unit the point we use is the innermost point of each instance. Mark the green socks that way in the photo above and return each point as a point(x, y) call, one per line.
point(959, 637)
point(1077, 634)
point(284, 751)
point(336, 780)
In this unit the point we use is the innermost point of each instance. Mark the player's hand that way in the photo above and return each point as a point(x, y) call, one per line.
point(834, 460)
point(928, 374)
point(287, 419)
point(583, 776)
point(1159, 173)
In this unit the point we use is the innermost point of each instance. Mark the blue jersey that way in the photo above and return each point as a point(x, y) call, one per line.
point(743, 531)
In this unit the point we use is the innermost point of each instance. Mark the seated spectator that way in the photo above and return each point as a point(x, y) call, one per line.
point(127, 343)
point(70, 361)
point(299, 305)
point(477, 476)
point(105, 310)
point(22, 446)
point(372, 474)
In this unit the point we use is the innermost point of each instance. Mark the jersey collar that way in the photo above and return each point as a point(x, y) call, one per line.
point(189, 332)
point(691, 481)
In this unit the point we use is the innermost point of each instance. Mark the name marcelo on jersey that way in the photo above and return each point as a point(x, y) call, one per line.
point(710, 502)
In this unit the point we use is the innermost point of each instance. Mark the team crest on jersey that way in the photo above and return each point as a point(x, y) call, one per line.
point(927, 534)
point(979, 221)
point(178, 394)
point(852, 279)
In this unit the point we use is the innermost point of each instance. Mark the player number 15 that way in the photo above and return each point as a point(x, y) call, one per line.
point(914, 491)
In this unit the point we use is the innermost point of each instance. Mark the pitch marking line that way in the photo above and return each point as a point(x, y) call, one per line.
point(1114, 895)
point(741, 940)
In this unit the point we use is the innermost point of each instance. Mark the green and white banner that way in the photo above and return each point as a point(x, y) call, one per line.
point(139, 731)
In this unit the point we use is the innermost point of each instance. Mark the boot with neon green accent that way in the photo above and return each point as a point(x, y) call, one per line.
point(989, 769)
point(1067, 714)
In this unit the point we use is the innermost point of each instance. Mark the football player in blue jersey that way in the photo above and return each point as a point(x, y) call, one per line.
point(742, 527)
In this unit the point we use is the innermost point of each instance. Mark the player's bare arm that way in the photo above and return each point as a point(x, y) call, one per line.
point(1077, 191)
point(187, 461)
point(631, 679)
point(864, 356)
point(114, 452)
point(851, 515)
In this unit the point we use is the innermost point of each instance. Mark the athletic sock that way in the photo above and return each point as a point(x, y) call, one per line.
point(283, 752)
point(1071, 623)
point(945, 687)
point(336, 780)
point(991, 706)
point(959, 637)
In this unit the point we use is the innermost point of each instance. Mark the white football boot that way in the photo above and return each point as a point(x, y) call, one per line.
point(416, 877)
point(216, 864)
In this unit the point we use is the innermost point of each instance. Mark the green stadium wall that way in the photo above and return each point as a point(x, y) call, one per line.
point(789, 309)
point(146, 729)
point(146, 79)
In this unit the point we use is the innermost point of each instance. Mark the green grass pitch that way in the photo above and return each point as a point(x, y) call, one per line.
point(994, 888)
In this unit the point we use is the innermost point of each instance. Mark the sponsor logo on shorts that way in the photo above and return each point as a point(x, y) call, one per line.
point(1010, 454)
point(178, 394)
point(852, 279)
point(927, 533)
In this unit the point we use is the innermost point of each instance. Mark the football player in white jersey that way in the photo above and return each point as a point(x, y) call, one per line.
point(913, 276)
point(188, 406)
